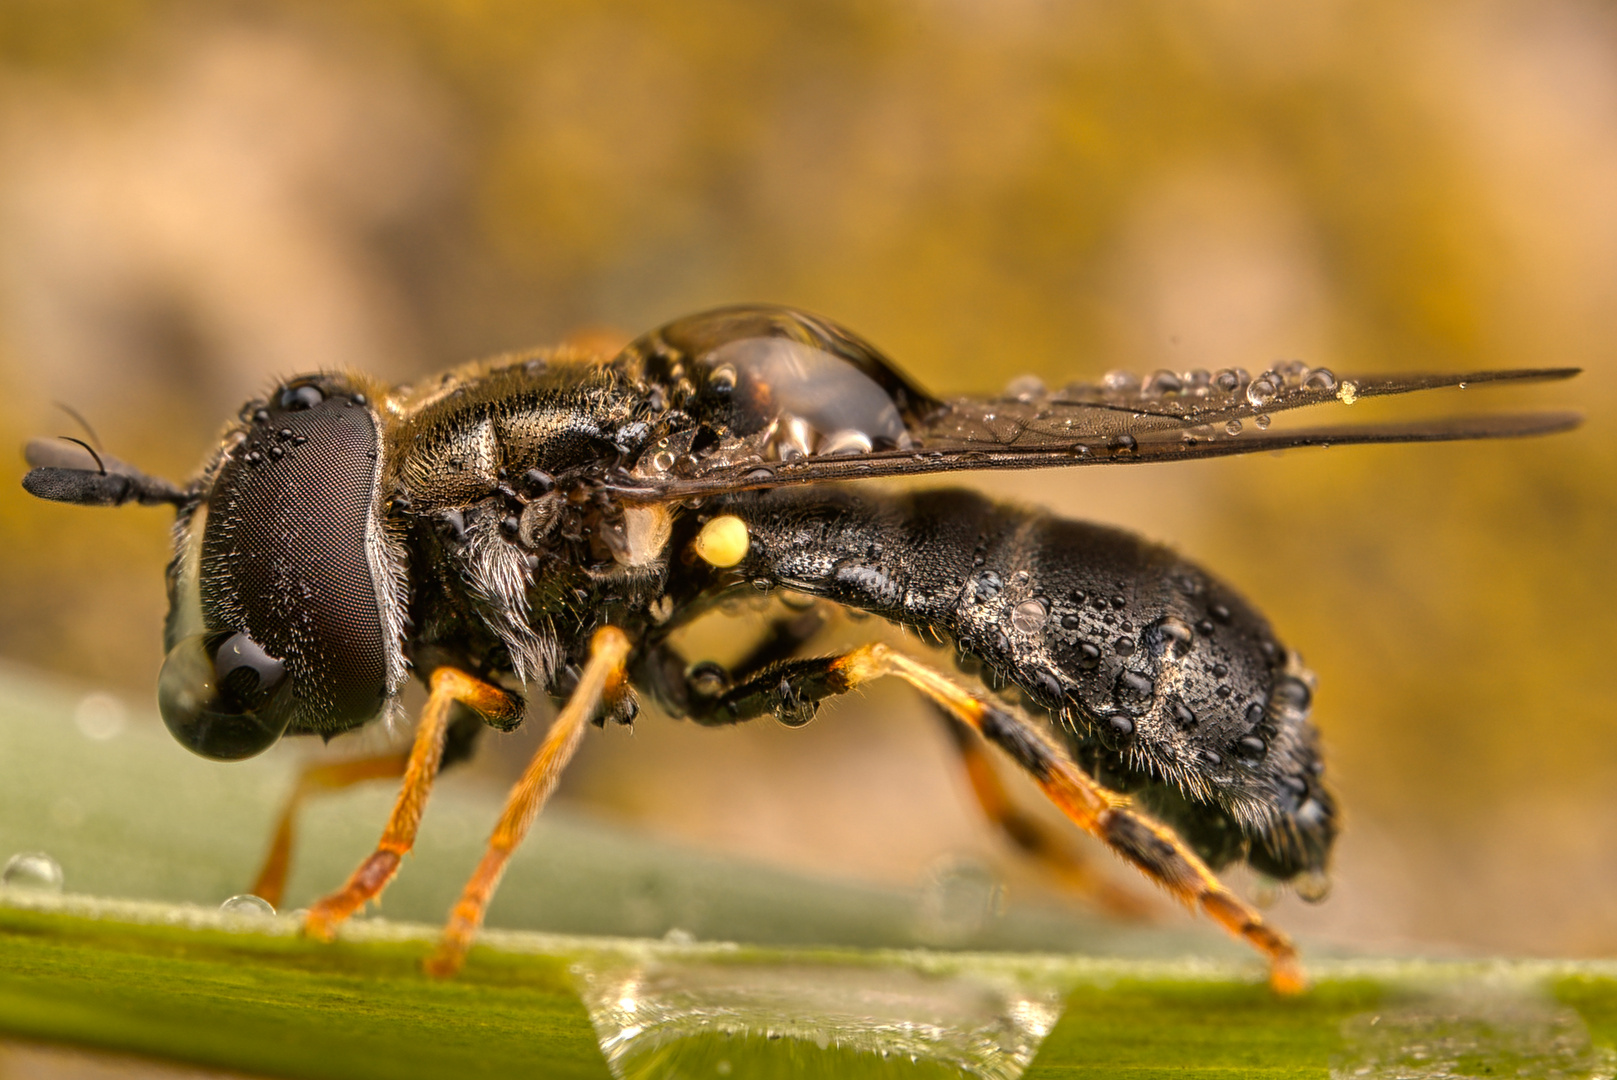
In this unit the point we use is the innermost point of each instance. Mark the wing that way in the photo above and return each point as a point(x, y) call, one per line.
point(1165, 418)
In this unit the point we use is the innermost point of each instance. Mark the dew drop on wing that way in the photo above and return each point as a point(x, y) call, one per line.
point(33, 871)
point(1119, 381)
point(1320, 379)
point(1262, 390)
point(1161, 384)
point(1232, 427)
point(1025, 388)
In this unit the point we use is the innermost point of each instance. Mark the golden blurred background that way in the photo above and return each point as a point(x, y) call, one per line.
point(197, 197)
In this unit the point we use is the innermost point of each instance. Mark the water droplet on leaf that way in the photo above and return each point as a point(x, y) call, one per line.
point(32, 870)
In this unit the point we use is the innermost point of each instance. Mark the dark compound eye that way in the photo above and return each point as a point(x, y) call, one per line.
point(223, 696)
point(297, 398)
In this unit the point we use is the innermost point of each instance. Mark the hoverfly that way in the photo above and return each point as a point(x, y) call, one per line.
point(549, 519)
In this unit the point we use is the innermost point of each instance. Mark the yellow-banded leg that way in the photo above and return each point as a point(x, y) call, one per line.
point(447, 687)
point(1152, 847)
point(1032, 837)
point(603, 675)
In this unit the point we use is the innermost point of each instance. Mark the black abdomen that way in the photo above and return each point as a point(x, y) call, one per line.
point(1163, 680)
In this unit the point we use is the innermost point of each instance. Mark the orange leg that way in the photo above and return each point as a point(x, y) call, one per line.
point(314, 780)
point(448, 686)
point(1106, 815)
point(603, 674)
point(1033, 837)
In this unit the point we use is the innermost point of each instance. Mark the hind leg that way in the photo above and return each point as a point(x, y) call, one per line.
point(795, 687)
point(1030, 835)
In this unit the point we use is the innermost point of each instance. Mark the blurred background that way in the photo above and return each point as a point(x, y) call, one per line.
point(195, 198)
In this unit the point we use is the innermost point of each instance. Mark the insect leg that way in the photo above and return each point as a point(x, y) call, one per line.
point(325, 777)
point(1029, 834)
point(316, 779)
point(448, 687)
point(685, 690)
point(609, 652)
point(796, 686)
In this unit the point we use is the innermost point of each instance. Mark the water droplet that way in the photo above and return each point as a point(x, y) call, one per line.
point(1232, 427)
point(1312, 886)
point(662, 461)
point(32, 870)
point(1048, 688)
point(796, 439)
point(1123, 646)
point(1171, 636)
point(1262, 421)
point(1029, 616)
point(986, 586)
point(248, 905)
point(1252, 747)
point(1254, 715)
point(1088, 654)
point(1162, 383)
point(959, 897)
point(1265, 891)
point(1182, 714)
point(1262, 390)
point(299, 398)
point(1124, 443)
point(1320, 379)
point(1025, 388)
point(1071, 622)
point(1120, 381)
point(100, 717)
point(846, 441)
point(1119, 603)
point(1220, 670)
point(1219, 612)
point(1228, 380)
point(723, 378)
point(1295, 784)
point(1291, 371)
point(1210, 757)
point(1134, 685)
point(1120, 726)
point(1291, 696)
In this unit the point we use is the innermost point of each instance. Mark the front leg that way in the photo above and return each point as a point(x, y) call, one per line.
point(448, 686)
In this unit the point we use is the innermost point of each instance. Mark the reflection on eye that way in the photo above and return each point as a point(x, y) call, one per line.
point(223, 696)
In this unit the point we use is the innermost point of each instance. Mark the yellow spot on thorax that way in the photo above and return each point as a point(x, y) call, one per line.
point(723, 542)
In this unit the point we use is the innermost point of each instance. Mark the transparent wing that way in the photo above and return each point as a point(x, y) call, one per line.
point(1121, 421)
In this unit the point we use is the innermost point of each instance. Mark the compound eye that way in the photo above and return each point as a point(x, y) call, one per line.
point(298, 398)
point(223, 696)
